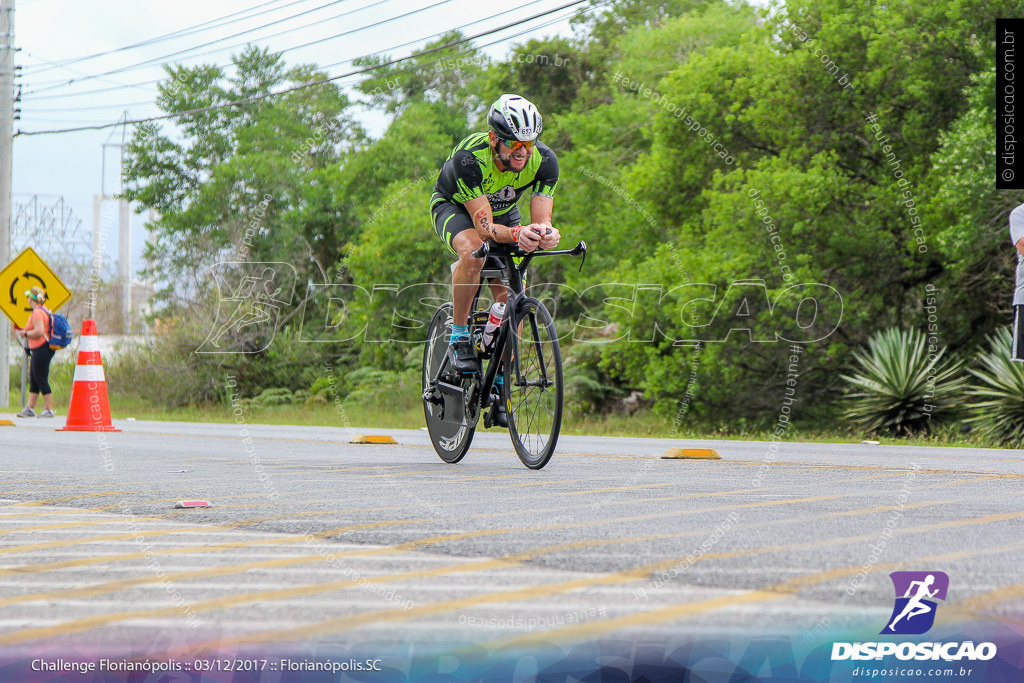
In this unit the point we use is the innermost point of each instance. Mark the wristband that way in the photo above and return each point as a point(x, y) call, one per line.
point(515, 233)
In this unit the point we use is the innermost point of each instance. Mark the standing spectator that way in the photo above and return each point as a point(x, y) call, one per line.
point(1017, 237)
point(37, 332)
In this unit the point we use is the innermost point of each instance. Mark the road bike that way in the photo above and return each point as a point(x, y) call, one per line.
point(525, 350)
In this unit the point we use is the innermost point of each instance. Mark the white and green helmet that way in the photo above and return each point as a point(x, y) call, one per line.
point(515, 118)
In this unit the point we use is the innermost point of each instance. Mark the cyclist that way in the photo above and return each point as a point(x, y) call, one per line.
point(475, 199)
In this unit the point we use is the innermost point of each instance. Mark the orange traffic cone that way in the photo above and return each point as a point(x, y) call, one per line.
point(90, 408)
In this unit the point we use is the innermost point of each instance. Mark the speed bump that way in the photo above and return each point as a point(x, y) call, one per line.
point(691, 454)
point(373, 438)
point(6, 423)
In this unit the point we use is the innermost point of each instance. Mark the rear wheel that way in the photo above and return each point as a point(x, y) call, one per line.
point(451, 439)
point(533, 383)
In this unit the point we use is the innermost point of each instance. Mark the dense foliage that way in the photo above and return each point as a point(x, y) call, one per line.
point(997, 394)
point(901, 385)
point(746, 178)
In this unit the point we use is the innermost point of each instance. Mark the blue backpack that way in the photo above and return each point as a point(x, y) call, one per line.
point(60, 331)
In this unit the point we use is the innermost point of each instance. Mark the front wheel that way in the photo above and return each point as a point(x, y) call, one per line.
point(533, 383)
point(451, 439)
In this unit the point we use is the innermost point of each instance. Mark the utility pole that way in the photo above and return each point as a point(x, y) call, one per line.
point(124, 240)
point(6, 164)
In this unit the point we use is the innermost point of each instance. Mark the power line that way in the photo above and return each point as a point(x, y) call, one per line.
point(52, 110)
point(149, 62)
point(180, 33)
point(457, 28)
point(344, 76)
point(82, 73)
point(302, 86)
point(50, 85)
point(296, 47)
point(34, 110)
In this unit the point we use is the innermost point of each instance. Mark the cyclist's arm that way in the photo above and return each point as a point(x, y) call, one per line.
point(540, 218)
point(483, 220)
point(541, 209)
point(541, 201)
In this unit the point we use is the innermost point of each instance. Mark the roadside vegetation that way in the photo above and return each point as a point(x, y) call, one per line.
point(727, 164)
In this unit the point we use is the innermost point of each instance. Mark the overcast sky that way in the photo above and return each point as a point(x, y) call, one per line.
point(64, 31)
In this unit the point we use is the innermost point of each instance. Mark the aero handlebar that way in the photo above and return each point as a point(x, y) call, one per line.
point(579, 250)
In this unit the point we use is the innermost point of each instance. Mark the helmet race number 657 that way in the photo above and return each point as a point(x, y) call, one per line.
point(515, 118)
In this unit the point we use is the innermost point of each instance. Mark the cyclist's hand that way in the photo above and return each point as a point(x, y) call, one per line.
point(550, 237)
point(528, 239)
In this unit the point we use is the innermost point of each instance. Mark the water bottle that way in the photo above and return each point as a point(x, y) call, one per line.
point(493, 320)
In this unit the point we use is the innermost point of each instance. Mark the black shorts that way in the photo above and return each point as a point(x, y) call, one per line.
point(1017, 343)
point(450, 218)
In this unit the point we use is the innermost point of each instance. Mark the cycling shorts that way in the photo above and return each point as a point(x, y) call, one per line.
point(450, 218)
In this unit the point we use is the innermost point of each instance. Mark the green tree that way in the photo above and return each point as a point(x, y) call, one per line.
point(447, 77)
point(247, 179)
point(397, 250)
point(968, 218)
point(800, 141)
point(547, 72)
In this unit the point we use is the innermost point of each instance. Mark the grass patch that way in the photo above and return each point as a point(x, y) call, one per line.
point(408, 414)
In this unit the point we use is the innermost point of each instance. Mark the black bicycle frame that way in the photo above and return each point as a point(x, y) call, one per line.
point(512, 274)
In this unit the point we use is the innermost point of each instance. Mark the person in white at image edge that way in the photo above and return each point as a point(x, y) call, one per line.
point(1017, 235)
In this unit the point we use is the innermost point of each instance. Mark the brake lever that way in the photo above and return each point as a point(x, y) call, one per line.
point(580, 248)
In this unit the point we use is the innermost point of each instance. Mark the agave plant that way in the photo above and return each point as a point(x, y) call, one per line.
point(901, 387)
point(998, 401)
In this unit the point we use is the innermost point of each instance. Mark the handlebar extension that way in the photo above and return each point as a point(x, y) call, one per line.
point(579, 249)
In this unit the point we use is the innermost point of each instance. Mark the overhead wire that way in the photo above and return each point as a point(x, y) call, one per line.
point(153, 61)
point(50, 85)
point(334, 64)
point(421, 65)
point(83, 73)
point(280, 52)
point(351, 59)
point(301, 86)
point(180, 33)
point(457, 28)
point(324, 67)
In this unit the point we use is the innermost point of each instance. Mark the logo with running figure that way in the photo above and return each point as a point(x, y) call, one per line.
point(916, 595)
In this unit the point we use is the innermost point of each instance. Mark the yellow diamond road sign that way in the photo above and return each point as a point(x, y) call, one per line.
point(22, 274)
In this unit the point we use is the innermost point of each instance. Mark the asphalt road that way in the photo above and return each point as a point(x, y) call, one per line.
point(311, 539)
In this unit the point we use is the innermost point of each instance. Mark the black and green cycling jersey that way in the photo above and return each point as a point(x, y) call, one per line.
point(470, 172)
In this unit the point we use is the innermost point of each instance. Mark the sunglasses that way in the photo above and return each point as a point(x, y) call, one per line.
point(516, 144)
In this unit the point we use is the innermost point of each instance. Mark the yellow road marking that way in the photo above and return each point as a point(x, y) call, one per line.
point(827, 466)
point(198, 529)
point(686, 610)
point(619, 488)
point(89, 523)
point(72, 542)
point(281, 469)
point(648, 618)
point(411, 545)
point(977, 605)
point(626, 576)
point(51, 501)
point(396, 615)
point(170, 512)
point(957, 482)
